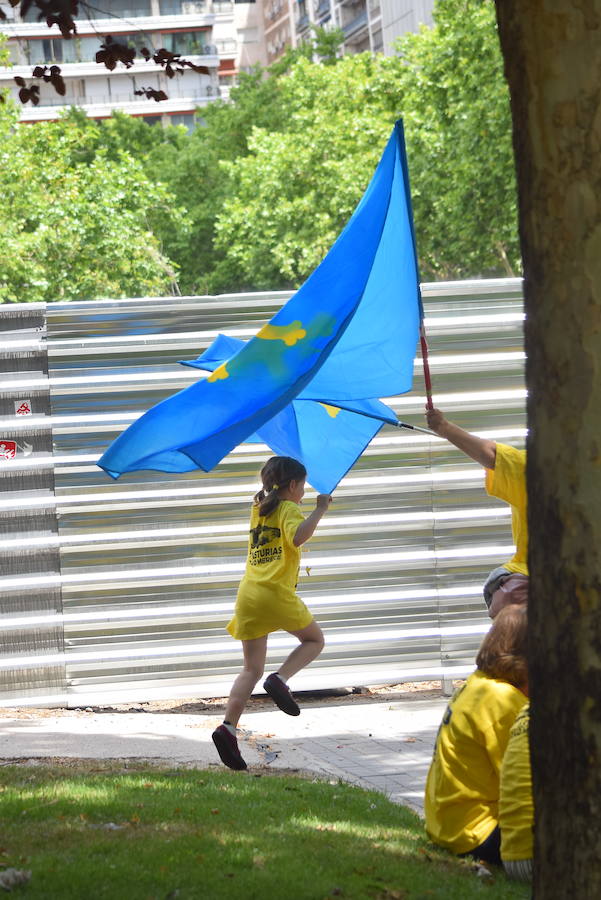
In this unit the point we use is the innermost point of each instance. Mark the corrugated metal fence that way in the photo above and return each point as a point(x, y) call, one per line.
point(116, 592)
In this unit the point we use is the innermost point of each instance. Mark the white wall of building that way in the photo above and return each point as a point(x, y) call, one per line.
point(400, 16)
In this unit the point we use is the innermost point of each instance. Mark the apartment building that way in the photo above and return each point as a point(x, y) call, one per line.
point(221, 35)
point(367, 24)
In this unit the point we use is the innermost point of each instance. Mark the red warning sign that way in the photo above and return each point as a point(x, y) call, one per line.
point(23, 407)
point(8, 449)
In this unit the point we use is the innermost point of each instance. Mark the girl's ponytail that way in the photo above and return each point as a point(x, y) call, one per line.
point(277, 473)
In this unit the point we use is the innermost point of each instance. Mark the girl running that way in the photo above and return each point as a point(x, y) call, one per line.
point(267, 599)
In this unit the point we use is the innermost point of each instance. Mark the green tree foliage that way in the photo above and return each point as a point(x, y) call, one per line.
point(295, 188)
point(257, 194)
point(458, 124)
point(7, 106)
point(76, 227)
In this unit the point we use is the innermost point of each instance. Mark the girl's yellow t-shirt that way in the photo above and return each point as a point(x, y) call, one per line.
point(462, 789)
point(267, 599)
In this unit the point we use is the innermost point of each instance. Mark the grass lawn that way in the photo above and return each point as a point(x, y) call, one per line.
point(90, 830)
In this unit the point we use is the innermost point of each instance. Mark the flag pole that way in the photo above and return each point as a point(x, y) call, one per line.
point(384, 419)
point(400, 424)
point(427, 378)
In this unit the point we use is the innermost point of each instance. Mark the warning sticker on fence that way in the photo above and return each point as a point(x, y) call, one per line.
point(23, 408)
point(8, 449)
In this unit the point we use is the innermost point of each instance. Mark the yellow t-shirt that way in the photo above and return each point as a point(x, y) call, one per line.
point(462, 789)
point(507, 481)
point(516, 808)
point(266, 598)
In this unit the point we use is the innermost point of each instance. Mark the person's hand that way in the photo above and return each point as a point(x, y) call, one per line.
point(436, 420)
point(323, 501)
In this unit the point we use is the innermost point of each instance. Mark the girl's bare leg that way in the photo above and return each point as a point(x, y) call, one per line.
point(311, 645)
point(254, 662)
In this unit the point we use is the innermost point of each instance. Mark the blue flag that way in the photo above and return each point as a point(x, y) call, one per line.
point(326, 438)
point(348, 334)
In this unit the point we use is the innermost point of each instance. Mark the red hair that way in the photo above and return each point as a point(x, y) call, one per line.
point(502, 653)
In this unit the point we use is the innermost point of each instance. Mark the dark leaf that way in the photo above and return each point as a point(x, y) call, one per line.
point(2, 16)
point(202, 70)
point(152, 94)
point(39, 72)
point(112, 52)
point(55, 70)
point(20, 81)
point(32, 93)
point(58, 84)
point(57, 16)
point(145, 53)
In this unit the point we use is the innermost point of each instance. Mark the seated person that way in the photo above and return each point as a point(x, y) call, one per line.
point(506, 479)
point(462, 789)
point(516, 809)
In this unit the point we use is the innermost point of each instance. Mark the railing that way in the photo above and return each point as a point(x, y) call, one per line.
point(89, 57)
point(225, 45)
point(322, 8)
point(183, 7)
point(121, 590)
point(122, 99)
point(355, 24)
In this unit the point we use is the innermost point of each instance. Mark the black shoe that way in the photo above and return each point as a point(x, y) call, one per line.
point(227, 748)
point(280, 694)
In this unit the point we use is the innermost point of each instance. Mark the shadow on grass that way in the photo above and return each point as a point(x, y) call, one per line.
point(95, 830)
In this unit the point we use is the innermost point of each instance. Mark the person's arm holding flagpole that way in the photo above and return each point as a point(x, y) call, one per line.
point(481, 450)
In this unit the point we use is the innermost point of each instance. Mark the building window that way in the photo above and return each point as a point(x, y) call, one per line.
point(186, 119)
point(186, 43)
point(182, 7)
point(123, 9)
point(51, 50)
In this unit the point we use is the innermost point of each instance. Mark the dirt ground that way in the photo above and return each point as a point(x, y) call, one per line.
point(419, 690)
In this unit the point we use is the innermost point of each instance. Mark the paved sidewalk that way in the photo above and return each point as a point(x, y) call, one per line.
point(377, 741)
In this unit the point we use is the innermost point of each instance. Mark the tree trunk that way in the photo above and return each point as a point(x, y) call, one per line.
point(552, 52)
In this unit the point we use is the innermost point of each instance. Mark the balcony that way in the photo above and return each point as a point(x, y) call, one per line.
point(86, 28)
point(183, 7)
point(123, 9)
point(93, 71)
point(353, 28)
point(127, 97)
point(83, 51)
point(102, 106)
point(226, 46)
point(322, 9)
